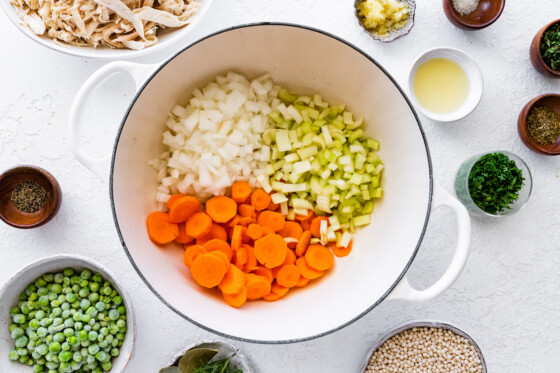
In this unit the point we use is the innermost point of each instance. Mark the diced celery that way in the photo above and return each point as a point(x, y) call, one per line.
point(291, 215)
point(276, 117)
point(359, 161)
point(286, 96)
point(283, 140)
point(278, 165)
point(345, 160)
point(269, 169)
point(294, 177)
point(304, 99)
point(361, 220)
point(299, 131)
point(307, 127)
point(373, 144)
point(365, 195)
point(355, 135)
point(291, 188)
point(378, 169)
point(377, 192)
point(278, 198)
point(276, 154)
point(279, 176)
point(284, 208)
point(325, 173)
point(334, 223)
point(302, 212)
point(287, 167)
point(357, 149)
point(323, 203)
point(316, 165)
point(315, 185)
point(344, 240)
point(320, 141)
point(327, 135)
point(291, 158)
point(307, 152)
point(302, 166)
point(278, 186)
point(356, 179)
point(368, 208)
point(375, 181)
point(347, 117)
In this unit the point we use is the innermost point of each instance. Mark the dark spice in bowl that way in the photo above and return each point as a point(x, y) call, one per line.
point(29, 197)
point(543, 125)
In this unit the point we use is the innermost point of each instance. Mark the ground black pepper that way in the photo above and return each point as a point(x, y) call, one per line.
point(543, 125)
point(29, 197)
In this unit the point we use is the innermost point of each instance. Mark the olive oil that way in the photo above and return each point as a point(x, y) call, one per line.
point(441, 85)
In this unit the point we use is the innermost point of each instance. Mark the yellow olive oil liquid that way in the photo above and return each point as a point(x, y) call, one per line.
point(441, 85)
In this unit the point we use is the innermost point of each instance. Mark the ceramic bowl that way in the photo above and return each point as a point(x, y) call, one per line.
point(423, 324)
point(382, 252)
point(166, 38)
point(225, 350)
point(551, 100)
point(394, 35)
point(474, 75)
point(536, 56)
point(462, 189)
point(16, 218)
point(24, 277)
point(487, 12)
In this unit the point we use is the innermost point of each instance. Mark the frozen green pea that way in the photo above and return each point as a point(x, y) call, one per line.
point(37, 368)
point(65, 314)
point(86, 274)
point(76, 288)
point(122, 310)
point(114, 314)
point(22, 341)
point(84, 304)
point(58, 278)
point(90, 359)
point(39, 315)
point(51, 365)
point(107, 290)
point(33, 336)
point(13, 355)
point(52, 296)
point(102, 356)
point(58, 321)
point(92, 335)
point(100, 306)
point(65, 356)
point(19, 318)
point(69, 323)
point(68, 272)
point(94, 287)
point(86, 318)
point(84, 292)
point(56, 312)
point(55, 347)
point(42, 349)
point(93, 297)
point(117, 300)
point(83, 335)
point(102, 343)
point(115, 352)
point(120, 337)
point(78, 325)
point(34, 324)
point(42, 291)
point(87, 327)
point(66, 346)
point(121, 323)
point(93, 349)
point(71, 297)
point(23, 359)
point(42, 332)
point(17, 332)
point(107, 366)
point(56, 288)
point(65, 307)
point(22, 351)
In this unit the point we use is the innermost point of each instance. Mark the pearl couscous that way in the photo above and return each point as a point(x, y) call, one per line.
point(383, 16)
point(425, 349)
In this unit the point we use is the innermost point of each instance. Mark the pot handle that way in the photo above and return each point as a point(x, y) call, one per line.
point(404, 290)
point(139, 72)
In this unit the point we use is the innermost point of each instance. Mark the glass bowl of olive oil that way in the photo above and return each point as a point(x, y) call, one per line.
point(445, 84)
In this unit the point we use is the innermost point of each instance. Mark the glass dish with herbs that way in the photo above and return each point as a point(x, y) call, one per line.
point(494, 184)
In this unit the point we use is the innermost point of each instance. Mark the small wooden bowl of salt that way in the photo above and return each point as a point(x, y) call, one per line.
point(29, 197)
point(473, 15)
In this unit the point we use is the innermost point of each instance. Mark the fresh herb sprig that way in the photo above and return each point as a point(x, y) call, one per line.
point(218, 366)
point(495, 182)
point(550, 47)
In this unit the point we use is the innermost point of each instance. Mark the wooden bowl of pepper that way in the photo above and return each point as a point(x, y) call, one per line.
point(29, 197)
point(545, 50)
point(539, 124)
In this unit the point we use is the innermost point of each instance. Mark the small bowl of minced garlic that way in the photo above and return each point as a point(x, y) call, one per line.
point(386, 20)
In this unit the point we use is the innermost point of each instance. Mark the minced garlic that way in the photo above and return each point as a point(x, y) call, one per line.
point(382, 16)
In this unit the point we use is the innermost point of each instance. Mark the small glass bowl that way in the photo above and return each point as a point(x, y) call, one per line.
point(462, 185)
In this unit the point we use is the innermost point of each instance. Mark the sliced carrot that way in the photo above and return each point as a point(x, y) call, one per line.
point(246, 221)
point(302, 282)
point(306, 271)
point(279, 289)
point(274, 220)
point(272, 297)
point(260, 199)
point(319, 257)
point(272, 206)
point(265, 272)
point(241, 257)
point(182, 237)
point(306, 224)
point(267, 231)
point(293, 230)
point(271, 250)
point(233, 282)
point(244, 237)
point(208, 270)
point(240, 191)
point(236, 300)
point(191, 253)
point(160, 229)
point(236, 237)
point(216, 244)
point(257, 286)
point(316, 225)
point(290, 257)
point(254, 231)
point(221, 208)
point(303, 242)
point(198, 225)
point(223, 257)
point(217, 231)
point(233, 222)
point(341, 251)
point(183, 208)
point(251, 258)
point(173, 199)
point(288, 276)
point(246, 211)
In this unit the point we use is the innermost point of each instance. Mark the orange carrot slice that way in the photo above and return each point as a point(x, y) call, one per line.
point(236, 300)
point(183, 208)
point(208, 270)
point(217, 231)
point(271, 250)
point(303, 243)
point(319, 257)
point(173, 199)
point(182, 237)
point(216, 244)
point(191, 253)
point(254, 231)
point(306, 271)
point(236, 237)
point(246, 211)
point(257, 286)
point(198, 225)
point(288, 276)
point(315, 226)
point(265, 272)
point(302, 282)
point(160, 229)
point(240, 191)
point(221, 208)
point(341, 251)
point(233, 282)
point(271, 219)
point(260, 199)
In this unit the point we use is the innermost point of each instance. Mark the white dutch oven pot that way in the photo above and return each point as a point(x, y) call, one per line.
point(307, 61)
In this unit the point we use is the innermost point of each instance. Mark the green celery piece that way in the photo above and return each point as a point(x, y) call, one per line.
point(373, 144)
point(286, 96)
point(377, 192)
point(276, 117)
point(368, 208)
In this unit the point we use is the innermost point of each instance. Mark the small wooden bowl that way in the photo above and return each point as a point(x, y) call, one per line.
point(16, 218)
point(536, 57)
point(552, 100)
point(488, 12)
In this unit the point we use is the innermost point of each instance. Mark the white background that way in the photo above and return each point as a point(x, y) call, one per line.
point(507, 299)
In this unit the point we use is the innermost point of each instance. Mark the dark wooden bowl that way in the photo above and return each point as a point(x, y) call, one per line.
point(536, 56)
point(551, 100)
point(16, 218)
point(488, 12)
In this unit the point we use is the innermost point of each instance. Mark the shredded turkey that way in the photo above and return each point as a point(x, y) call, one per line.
point(132, 24)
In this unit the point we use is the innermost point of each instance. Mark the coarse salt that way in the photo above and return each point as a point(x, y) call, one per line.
point(465, 7)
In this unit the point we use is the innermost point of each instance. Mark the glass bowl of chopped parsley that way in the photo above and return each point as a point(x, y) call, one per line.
point(494, 184)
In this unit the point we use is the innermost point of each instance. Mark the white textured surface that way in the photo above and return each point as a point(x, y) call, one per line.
point(506, 299)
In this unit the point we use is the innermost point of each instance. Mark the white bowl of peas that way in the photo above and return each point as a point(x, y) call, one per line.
point(65, 313)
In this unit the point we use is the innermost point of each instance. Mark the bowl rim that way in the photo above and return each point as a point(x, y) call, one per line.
point(453, 116)
point(522, 122)
point(473, 26)
point(56, 191)
point(304, 28)
point(87, 262)
point(407, 325)
point(539, 35)
point(221, 343)
point(105, 53)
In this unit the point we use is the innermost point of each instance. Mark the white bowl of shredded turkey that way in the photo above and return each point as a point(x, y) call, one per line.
point(106, 29)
